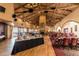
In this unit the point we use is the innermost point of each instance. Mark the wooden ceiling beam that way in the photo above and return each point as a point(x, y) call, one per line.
point(20, 6)
point(53, 16)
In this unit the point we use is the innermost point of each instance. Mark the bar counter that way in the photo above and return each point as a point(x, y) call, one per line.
point(41, 50)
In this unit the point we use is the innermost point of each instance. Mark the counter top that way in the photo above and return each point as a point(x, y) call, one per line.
point(28, 38)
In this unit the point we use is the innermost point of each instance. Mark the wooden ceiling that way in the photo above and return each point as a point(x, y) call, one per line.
point(54, 12)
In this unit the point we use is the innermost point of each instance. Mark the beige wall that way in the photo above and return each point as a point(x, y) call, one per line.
point(7, 16)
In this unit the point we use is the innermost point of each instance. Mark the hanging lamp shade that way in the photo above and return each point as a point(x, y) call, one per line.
point(42, 20)
point(42, 23)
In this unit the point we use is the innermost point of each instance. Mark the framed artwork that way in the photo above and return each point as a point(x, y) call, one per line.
point(75, 28)
point(65, 30)
point(71, 29)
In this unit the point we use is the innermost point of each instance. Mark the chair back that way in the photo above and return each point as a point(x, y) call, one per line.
point(66, 41)
point(74, 41)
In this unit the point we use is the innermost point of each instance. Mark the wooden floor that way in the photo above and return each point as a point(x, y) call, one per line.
point(42, 50)
point(66, 51)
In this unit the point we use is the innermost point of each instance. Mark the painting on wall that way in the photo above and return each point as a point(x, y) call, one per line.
point(75, 27)
point(71, 29)
point(65, 30)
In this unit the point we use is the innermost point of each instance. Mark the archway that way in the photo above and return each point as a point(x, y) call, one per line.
point(58, 28)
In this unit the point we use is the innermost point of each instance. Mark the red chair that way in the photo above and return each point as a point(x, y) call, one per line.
point(74, 42)
point(66, 42)
point(52, 38)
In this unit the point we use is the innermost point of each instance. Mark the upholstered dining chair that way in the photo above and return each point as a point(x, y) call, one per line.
point(74, 43)
point(66, 42)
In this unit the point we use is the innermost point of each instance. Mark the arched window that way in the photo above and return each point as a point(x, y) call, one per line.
point(58, 29)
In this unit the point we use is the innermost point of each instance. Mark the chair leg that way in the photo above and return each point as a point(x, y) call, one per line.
point(66, 47)
point(74, 47)
point(78, 48)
